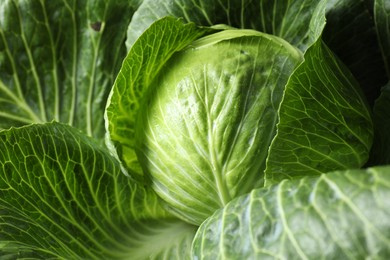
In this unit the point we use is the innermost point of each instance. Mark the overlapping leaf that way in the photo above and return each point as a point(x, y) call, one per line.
point(339, 215)
point(63, 196)
point(286, 19)
point(139, 68)
point(324, 121)
point(205, 126)
point(58, 60)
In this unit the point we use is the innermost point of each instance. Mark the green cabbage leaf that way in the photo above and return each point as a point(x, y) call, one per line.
point(139, 68)
point(59, 59)
point(62, 196)
point(205, 128)
point(339, 215)
point(194, 129)
point(233, 110)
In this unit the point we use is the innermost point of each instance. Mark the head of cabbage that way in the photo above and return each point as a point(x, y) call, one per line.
point(214, 118)
point(208, 129)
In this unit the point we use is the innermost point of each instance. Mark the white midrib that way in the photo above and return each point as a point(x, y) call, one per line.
point(223, 191)
point(219, 176)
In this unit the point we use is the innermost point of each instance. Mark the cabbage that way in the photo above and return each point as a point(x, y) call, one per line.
point(232, 111)
point(193, 129)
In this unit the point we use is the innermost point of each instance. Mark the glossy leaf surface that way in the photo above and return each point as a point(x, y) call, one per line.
point(324, 121)
point(63, 196)
point(209, 117)
point(339, 215)
point(294, 21)
point(59, 59)
point(139, 68)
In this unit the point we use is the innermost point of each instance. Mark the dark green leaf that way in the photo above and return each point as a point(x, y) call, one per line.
point(324, 120)
point(380, 152)
point(299, 22)
point(63, 196)
point(58, 60)
point(382, 21)
point(350, 32)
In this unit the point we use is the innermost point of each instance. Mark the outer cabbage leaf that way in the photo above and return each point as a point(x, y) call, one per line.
point(63, 196)
point(205, 124)
point(139, 68)
point(286, 19)
point(58, 60)
point(324, 120)
point(340, 215)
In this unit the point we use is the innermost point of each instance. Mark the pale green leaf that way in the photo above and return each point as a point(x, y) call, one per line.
point(339, 215)
point(139, 68)
point(205, 125)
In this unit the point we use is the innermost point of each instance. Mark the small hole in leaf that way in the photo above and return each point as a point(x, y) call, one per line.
point(96, 26)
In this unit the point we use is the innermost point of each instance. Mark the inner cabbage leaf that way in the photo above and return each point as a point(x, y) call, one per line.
point(201, 116)
point(209, 116)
